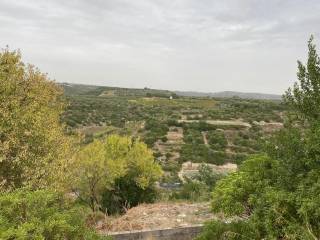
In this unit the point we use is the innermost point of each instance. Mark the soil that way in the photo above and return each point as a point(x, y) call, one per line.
point(221, 122)
point(158, 216)
point(269, 127)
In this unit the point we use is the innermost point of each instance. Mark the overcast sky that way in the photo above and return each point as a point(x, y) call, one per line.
point(198, 45)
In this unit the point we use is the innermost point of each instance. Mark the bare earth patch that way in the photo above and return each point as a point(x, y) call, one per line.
point(172, 145)
point(221, 122)
point(190, 169)
point(269, 127)
point(175, 135)
point(158, 216)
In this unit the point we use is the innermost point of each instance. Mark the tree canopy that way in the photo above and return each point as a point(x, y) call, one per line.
point(304, 97)
point(34, 150)
point(103, 163)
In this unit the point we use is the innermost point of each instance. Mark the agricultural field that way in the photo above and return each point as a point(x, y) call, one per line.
point(179, 129)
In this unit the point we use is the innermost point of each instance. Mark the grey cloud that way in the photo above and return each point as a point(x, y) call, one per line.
point(206, 45)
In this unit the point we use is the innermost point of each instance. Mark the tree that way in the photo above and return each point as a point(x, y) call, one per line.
point(102, 165)
point(279, 193)
point(304, 97)
point(34, 150)
point(208, 176)
point(237, 193)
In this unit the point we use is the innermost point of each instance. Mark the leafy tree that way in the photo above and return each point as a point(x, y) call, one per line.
point(208, 176)
point(192, 190)
point(136, 185)
point(33, 147)
point(102, 165)
point(126, 193)
point(42, 214)
point(93, 171)
point(279, 193)
point(237, 193)
point(304, 97)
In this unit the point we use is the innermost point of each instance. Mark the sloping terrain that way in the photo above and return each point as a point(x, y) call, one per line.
point(158, 216)
point(230, 94)
point(178, 129)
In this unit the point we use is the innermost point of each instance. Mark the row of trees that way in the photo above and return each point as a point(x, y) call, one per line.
point(277, 195)
point(42, 168)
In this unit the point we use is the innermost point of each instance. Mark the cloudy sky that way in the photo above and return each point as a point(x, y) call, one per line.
point(198, 45)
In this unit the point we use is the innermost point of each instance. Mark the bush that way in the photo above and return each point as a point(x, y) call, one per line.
point(164, 139)
point(193, 191)
point(174, 123)
point(208, 176)
point(120, 166)
point(125, 194)
point(217, 140)
point(238, 230)
point(171, 166)
point(41, 214)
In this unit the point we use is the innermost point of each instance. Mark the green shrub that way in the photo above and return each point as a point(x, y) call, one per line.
point(164, 139)
point(41, 214)
point(238, 230)
point(217, 140)
point(193, 191)
point(126, 194)
point(171, 166)
point(208, 176)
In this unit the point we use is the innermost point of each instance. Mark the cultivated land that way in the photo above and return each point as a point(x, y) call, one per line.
point(183, 132)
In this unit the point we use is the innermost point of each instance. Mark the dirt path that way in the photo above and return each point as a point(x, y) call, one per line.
point(221, 122)
point(205, 140)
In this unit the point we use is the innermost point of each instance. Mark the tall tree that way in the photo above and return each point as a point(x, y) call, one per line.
point(33, 146)
point(304, 97)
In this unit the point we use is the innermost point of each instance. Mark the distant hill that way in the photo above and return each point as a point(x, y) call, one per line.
point(230, 94)
point(104, 91)
point(82, 89)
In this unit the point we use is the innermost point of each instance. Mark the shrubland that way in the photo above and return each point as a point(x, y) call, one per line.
point(149, 116)
point(42, 214)
point(152, 116)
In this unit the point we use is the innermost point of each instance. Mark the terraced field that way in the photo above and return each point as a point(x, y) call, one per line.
point(178, 129)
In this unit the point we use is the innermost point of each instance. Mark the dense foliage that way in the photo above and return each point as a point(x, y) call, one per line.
point(304, 97)
point(118, 169)
point(32, 141)
point(42, 214)
point(198, 187)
